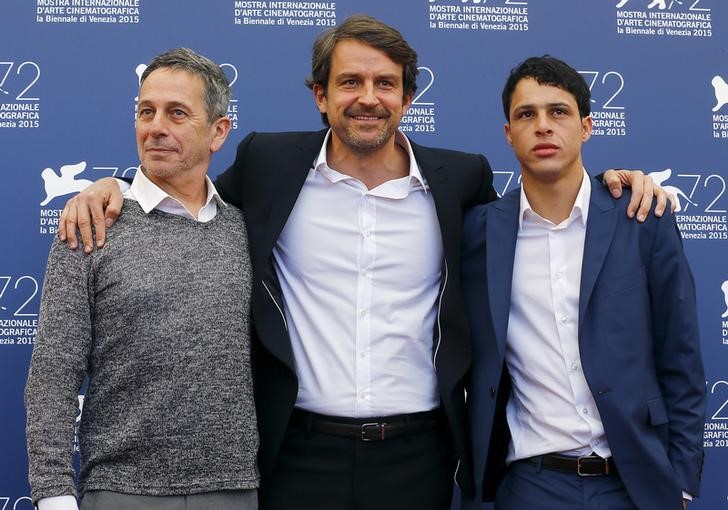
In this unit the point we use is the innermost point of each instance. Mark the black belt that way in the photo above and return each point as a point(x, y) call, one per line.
point(366, 429)
point(588, 465)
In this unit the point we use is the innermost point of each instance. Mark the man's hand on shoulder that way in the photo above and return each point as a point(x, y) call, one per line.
point(643, 191)
point(97, 206)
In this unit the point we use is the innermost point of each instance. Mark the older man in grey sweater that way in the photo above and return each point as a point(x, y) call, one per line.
point(162, 329)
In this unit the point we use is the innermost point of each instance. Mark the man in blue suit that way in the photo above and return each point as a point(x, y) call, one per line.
point(587, 387)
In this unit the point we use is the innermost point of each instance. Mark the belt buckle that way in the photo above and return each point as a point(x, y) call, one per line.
point(579, 471)
point(372, 432)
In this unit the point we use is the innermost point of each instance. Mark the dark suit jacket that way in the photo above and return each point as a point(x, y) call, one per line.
point(264, 181)
point(638, 339)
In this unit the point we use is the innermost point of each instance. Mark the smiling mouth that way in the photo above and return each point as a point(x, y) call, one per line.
point(365, 117)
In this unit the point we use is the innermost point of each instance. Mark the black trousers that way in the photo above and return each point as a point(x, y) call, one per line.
point(317, 471)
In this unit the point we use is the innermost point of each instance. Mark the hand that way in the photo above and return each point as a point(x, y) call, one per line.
point(685, 504)
point(98, 205)
point(643, 190)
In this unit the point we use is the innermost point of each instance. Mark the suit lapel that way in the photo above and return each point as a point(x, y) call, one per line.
point(501, 234)
point(599, 233)
point(449, 215)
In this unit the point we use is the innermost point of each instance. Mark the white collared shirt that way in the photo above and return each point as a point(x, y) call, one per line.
point(551, 409)
point(150, 197)
point(360, 272)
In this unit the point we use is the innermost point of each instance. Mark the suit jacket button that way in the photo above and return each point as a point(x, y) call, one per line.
point(492, 391)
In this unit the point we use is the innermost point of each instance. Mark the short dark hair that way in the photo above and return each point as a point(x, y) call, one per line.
point(216, 95)
point(368, 30)
point(548, 70)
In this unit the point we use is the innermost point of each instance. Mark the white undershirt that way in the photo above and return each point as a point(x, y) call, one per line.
point(360, 272)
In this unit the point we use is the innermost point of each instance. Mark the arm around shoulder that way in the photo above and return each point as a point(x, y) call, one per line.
point(487, 192)
point(230, 183)
point(97, 206)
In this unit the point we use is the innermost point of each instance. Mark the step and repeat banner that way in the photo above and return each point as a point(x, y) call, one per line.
point(69, 71)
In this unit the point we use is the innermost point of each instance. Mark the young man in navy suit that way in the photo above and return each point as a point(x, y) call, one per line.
point(587, 386)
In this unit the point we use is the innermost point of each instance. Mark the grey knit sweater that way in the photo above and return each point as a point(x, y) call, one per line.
point(158, 320)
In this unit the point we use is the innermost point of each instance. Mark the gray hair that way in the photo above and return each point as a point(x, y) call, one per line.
point(217, 88)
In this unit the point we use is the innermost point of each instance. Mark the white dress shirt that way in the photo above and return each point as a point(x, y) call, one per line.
point(150, 197)
point(360, 272)
point(551, 409)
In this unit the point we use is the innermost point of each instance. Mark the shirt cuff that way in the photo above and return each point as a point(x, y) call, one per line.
point(687, 496)
point(58, 503)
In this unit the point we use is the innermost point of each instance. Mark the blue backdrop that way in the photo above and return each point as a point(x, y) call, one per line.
point(69, 75)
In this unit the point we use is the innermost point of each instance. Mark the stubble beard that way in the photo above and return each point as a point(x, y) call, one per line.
point(365, 145)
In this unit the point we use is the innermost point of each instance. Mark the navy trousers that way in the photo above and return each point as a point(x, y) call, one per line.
point(528, 486)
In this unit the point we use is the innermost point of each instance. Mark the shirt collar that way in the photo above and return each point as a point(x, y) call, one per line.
point(149, 195)
point(320, 164)
point(580, 209)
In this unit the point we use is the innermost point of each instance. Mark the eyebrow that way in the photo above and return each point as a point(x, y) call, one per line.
point(531, 106)
point(171, 104)
point(386, 76)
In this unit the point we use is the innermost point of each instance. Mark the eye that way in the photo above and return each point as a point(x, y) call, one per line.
point(178, 114)
point(145, 113)
point(525, 114)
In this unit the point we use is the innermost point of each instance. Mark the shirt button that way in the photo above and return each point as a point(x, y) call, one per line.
point(564, 318)
point(585, 411)
point(363, 313)
point(363, 355)
point(367, 234)
point(574, 366)
point(558, 276)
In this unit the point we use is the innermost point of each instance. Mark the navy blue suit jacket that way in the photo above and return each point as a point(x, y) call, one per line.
point(638, 339)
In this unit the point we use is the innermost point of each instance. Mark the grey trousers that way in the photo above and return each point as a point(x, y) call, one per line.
point(220, 500)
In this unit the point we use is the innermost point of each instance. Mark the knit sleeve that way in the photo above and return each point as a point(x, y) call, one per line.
point(57, 370)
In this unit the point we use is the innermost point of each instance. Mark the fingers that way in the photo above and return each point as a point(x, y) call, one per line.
point(662, 196)
point(85, 210)
point(67, 224)
point(613, 182)
point(89, 212)
point(113, 209)
point(645, 202)
point(637, 183)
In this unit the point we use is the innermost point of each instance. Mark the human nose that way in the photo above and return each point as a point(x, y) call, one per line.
point(543, 124)
point(368, 95)
point(158, 124)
